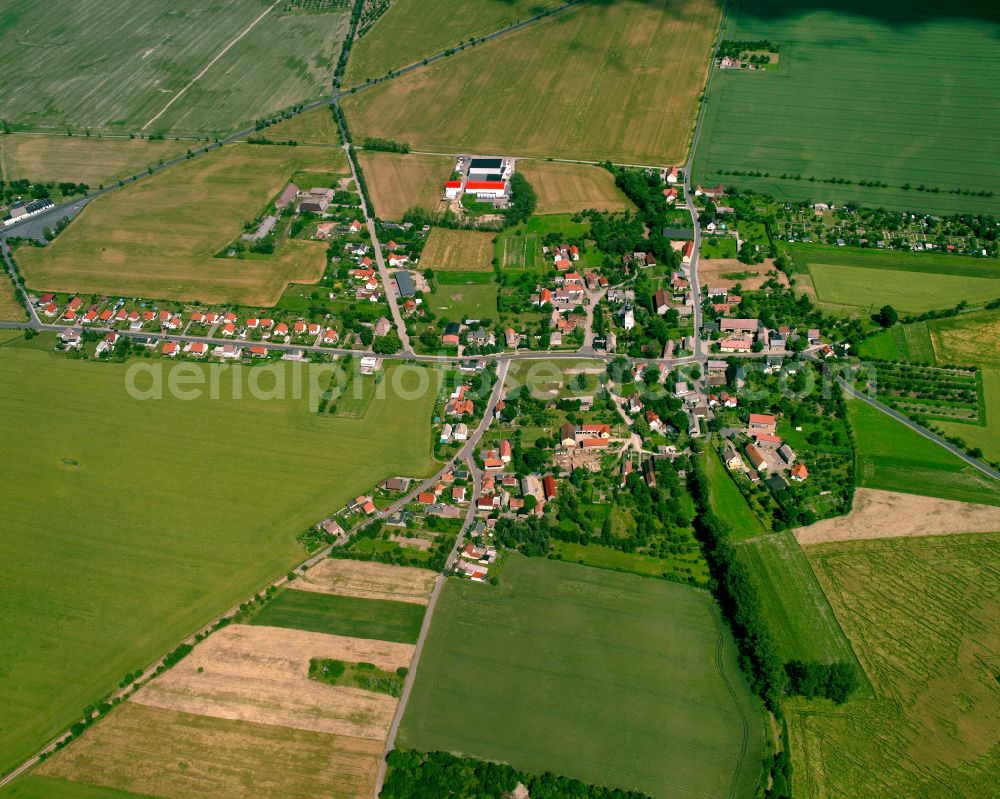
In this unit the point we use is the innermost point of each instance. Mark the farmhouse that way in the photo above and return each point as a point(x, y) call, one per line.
point(756, 458)
point(799, 472)
point(735, 345)
point(739, 325)
point(762, 423)
point(317, 200)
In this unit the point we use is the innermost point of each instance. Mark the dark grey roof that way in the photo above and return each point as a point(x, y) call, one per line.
point(678, 233)
point(485, 163)
point(451, 329)
point(405, 284)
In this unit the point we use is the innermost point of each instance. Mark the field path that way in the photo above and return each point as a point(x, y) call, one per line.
point(210, 64)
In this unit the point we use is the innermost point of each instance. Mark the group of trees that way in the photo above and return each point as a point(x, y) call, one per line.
point(440, 775)
point(386, 145)
point(12, 190)
point(836, 681)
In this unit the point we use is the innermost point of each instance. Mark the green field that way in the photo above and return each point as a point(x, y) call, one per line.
point(517, 251)
point(349, 616)
point(676, 567)
point(924, 617)
point(38, 787)
point(413, 29)
point(610, 678)
point(797, 612)
point(617, 80)
point(891, 456)
point(728, 502)
point(464, 295)
point(127, 524)
point(910, 282)
point(841, 105)
point(85, 65)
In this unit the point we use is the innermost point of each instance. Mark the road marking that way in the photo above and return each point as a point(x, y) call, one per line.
point(211, 63)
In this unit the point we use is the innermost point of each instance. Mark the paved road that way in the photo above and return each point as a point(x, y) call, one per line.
point(467, 454)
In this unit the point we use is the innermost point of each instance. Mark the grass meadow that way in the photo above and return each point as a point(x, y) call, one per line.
point(610, 678)
point(399, 182)
point(313, 127)
point(458, 251)
point(728, 503)
point(158, 237)
point(33, 786)
point(933, 728)
point(349, 616)
point(605, 80)
point(890, 456)
point(910, 282)
point(564, 188)
point(464, 295)
point(128, 524)
point(83, 64)
point(842, 104)
point(414, 29)
point(81, 159)
point(968, 339)
point(797, 611)
point(11, 307)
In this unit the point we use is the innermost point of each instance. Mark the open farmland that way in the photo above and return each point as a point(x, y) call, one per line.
point(369, 580)
point(80, 159)
point(413, 29)
point(910, 282)
point(567, 188)
point(158, 237)
point(842, 104)
point(458, 251)
point(128, 524)
point(11, 307)
point(797, 612)
point(384, 619)
point(933, 729)
point(578, 661)
point(604, 80)
point(157, 752)
point(34, 786)
point(313, 127)
point(891, 456)
point(86, 65)
point(399, 182)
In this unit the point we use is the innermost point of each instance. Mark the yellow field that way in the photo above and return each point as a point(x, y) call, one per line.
point(159, 752)
point(398, 182)
point(923, 615)
point(616, 80)
point(313, 127)
point(413, 29)
point(458, 251)
point(79, 159)
point(157, 238)
point(11, 309)
point(567, 188)
point(369, 580)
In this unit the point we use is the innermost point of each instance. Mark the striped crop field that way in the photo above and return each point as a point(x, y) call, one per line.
point(866, 90)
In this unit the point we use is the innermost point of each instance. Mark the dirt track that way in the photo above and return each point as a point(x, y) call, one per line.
point(888, 514)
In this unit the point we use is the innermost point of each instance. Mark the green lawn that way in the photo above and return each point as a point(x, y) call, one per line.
point(728, 502)
point(350, 616)
point(464, 295)
point(676, 567)
point(37, 787)
point(893, 457)
point(910, 282)
point(865, 56)
point(127, 524)
point(609, 678)
point(796, 609)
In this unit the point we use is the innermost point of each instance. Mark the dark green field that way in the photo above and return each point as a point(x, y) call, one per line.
point(37, 787)
point(872, 90)
point(343, 615)
point(610, 678)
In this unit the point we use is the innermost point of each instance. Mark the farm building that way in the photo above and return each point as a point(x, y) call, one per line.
point(480, 167)
point(290, 192)
point(487, 189)
point(404, 284)
point(452, 189)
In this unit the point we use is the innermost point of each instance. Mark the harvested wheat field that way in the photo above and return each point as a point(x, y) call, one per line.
point(260, 674)
point(11, 309)
point(399, 182)
point(725, 273)
point(82, 159)
point(158, 237)
point(158, 752)
point(368, 580)
point(567, 188)
point(888, 514)
point(458, 251)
